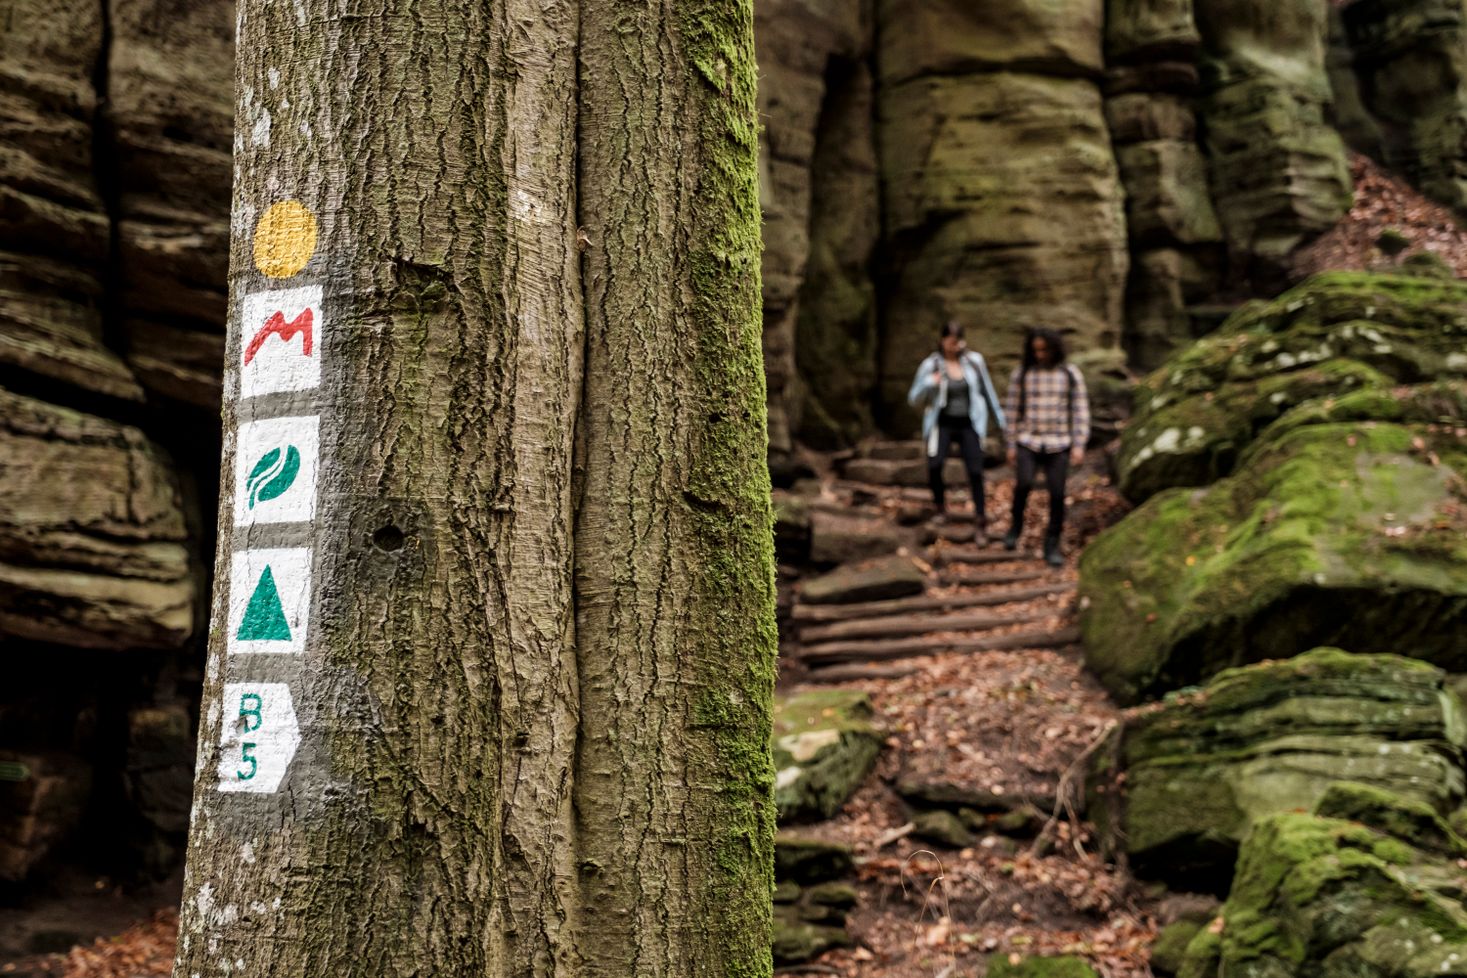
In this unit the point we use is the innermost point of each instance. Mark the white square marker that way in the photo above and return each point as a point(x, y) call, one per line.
point(258, 736)
point(275, 468)
point(281, 338)
point(269, 600)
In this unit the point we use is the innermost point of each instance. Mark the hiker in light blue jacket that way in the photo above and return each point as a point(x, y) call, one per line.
point(957, 396)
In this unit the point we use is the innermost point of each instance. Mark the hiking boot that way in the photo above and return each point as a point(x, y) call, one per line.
point(980, 533)
point(1011, 539)
point(1052, 555)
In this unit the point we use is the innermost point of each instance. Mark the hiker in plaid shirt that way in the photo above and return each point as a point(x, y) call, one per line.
point(1049, 418)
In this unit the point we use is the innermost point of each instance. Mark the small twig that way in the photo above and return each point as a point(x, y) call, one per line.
point(1066, 788)
point(887, 838)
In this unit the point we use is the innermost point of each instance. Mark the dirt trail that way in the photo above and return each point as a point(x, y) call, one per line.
point(1009, 721)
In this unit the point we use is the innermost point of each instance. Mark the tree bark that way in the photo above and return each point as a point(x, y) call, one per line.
point(529, 646)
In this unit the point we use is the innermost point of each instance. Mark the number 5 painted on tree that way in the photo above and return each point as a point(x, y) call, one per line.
point(264, 713)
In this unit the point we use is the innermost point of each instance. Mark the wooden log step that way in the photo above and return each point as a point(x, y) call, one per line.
point(878, 651)
point(932, 602)
point(991, 577)
point(900, 626)
point(857, 672)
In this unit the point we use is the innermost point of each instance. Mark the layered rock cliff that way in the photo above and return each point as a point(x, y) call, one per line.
point(1120, 169)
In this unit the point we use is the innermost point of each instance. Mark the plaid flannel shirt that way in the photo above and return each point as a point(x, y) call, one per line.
point(1044, 427)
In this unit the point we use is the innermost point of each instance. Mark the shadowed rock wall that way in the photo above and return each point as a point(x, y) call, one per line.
point(1103, 166)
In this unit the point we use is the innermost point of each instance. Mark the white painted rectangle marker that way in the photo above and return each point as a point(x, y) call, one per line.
point(281, 338)
point(257, 738)
point(275, 467)
point(269, 600)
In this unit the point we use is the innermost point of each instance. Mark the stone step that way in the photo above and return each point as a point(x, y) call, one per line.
point(900, 626)
point(893, 577)
point(935, 602)
point(857, 672)
point(893, 472)
point(877, 651)
point(991, 577)
point(905, 450)
point(974, 556)
point(847, 537)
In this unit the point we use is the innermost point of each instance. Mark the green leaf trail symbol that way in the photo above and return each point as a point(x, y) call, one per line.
point(264, 618)
point(273, 474)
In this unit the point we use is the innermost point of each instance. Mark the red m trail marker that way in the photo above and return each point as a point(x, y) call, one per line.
point(281, 337)
point(277, 326)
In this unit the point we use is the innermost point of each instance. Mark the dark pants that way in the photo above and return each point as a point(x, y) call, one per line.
point(1056, 469)
point(972, 448)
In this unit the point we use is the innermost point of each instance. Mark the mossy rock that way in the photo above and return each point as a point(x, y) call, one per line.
point(1335, 333)
point(1324, 896)
point(943, 828)
point(1205, 766)
point(825, 744)
point(1349, 534)
point(1427, 264)
point(1169, 949)
point(809, 861)
point(797, 940)
point(1394, 814)
point(1004, 966)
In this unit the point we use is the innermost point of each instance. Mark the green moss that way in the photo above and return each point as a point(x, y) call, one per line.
point(1280, 557)
point(824, 746)
point(1402, 817)
point(1314, 894)
point(1205, 766)
point(1169, 949)
point(1000, 966)
point(1342, 331)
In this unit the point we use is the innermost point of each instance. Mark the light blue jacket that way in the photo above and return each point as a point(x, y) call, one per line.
point(980, 395)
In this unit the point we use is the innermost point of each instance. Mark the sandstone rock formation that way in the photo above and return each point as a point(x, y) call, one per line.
point(1001, 200)
point(1335, 333)
point(1411, 62)
point(1341, 523)
point(1368, 885)
point(1151, 50)
point(1201, 770)
point(92, 538)
point(1279, 172)
point(54, 228)
point(170, 99)
point(814, 98)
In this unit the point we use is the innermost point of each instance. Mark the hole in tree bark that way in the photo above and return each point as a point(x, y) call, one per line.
point(388, 538)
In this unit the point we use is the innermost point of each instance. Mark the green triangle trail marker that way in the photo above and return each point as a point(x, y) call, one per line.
point(264, 618)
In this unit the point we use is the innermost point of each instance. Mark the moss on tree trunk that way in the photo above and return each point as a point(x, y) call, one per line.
point(534, 695)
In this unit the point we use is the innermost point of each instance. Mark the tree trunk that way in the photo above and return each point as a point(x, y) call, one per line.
point(496, 532)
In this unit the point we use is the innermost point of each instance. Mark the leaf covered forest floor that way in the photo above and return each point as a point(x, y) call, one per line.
point(1011, 723)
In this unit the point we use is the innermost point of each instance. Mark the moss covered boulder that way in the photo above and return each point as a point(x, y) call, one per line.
point(825, 744)
point(1204, 767)
point(1337, 333)
point(811, 898)
point(1340, 897)
point(1351, 534)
